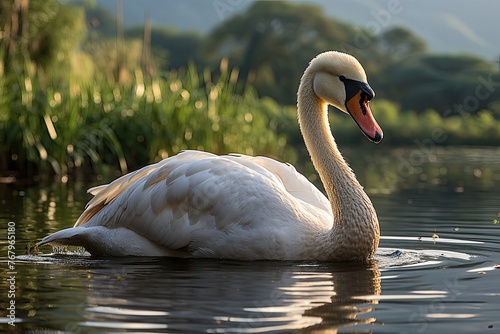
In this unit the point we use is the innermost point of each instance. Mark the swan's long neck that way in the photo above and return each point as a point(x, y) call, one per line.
point(355, 231)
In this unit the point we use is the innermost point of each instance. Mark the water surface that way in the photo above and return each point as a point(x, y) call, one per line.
point(434, 271)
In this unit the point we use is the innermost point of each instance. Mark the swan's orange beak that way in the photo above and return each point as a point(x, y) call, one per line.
point(358, 107)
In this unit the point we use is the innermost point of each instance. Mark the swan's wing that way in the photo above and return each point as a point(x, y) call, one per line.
point(294, 182)
point(213, 206)
point(105, 194)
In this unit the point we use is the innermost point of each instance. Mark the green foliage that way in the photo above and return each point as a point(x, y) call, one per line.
point(440, 82)
point(103, 124)
point(49, 130)
point(43, 35)
point(400, 43)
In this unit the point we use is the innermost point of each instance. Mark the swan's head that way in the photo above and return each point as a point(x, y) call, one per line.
point(340, 80)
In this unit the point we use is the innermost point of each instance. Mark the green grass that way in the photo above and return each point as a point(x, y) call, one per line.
point(60, 130)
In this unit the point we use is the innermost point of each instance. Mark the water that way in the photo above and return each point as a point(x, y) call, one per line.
point(435, 270)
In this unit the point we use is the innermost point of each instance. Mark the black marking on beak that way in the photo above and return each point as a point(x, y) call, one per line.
point(362, 100)
point(352, 87)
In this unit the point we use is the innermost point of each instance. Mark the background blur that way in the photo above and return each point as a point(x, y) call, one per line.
point(96, 86)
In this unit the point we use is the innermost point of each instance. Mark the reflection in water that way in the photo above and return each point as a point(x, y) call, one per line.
point(208, 296)
point(348, 305)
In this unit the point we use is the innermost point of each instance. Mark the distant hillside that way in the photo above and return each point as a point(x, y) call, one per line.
point(448, 26)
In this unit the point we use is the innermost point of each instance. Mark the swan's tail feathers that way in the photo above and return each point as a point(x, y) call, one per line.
point(101, 241)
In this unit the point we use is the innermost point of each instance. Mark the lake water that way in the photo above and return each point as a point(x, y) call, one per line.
point(435, 271)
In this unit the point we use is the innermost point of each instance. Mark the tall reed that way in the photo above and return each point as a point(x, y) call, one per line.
point(78, 126)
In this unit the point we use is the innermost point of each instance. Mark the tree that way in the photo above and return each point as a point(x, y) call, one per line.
point(451, 84)
point(38, 32)
point(273, 41)
point(399, 43)
point(172, 49)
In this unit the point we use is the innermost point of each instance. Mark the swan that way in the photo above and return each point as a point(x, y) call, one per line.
point(197, 204)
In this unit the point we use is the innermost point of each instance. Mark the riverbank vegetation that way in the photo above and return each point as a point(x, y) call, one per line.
point(76, 93)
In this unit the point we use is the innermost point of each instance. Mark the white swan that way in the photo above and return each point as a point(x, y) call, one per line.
point(197, 204)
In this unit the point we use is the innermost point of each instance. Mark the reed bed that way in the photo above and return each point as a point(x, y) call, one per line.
point(82, 126)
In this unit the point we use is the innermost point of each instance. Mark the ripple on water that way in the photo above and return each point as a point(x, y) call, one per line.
point(427, 257)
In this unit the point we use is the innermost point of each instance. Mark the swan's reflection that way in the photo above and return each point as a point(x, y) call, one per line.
point(210, 296)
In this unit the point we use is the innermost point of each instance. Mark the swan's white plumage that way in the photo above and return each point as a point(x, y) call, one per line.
point(203, 205)
point(197, 204)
